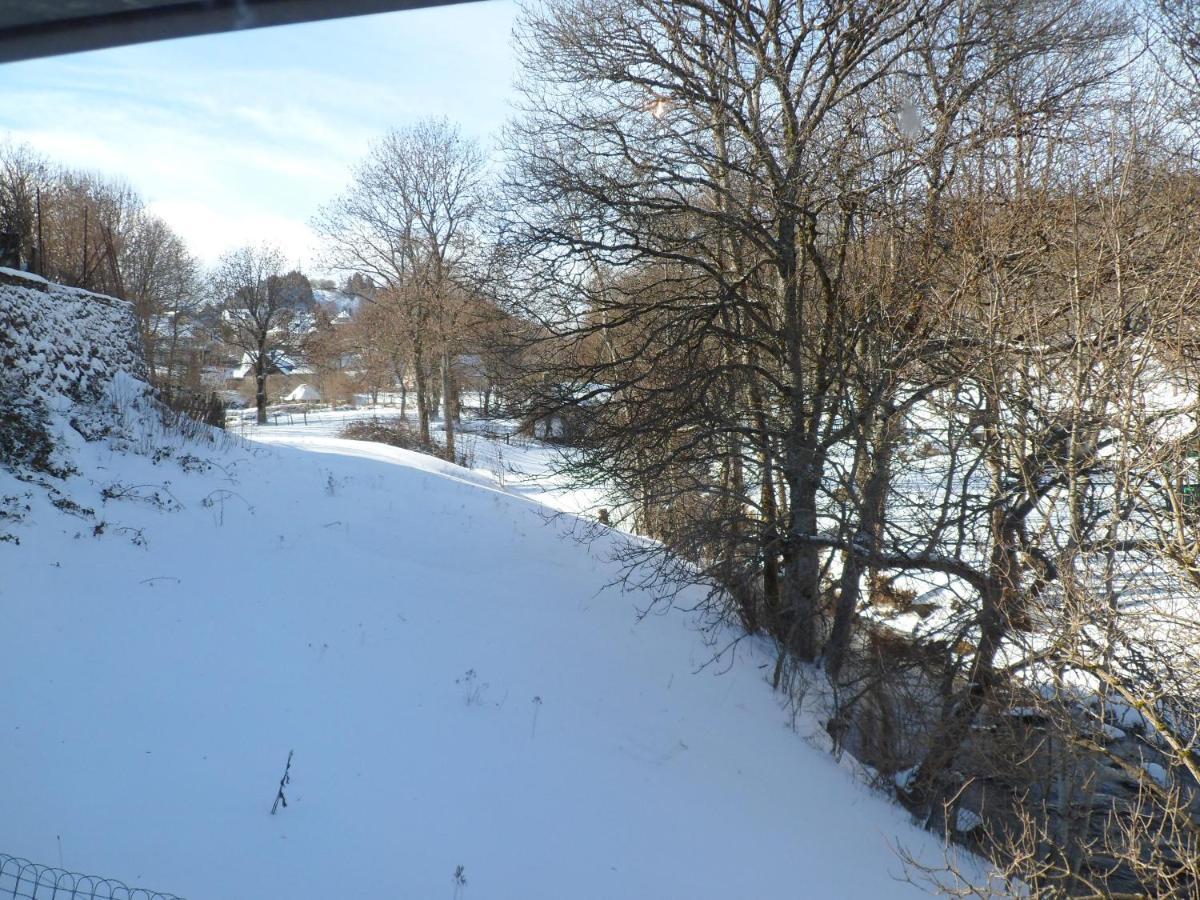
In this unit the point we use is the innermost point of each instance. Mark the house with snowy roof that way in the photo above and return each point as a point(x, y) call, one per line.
point(280, 364)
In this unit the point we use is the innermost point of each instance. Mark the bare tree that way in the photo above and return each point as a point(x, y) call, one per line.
point(24, 174)
point(406, 224)
point(256, 316)
point(859, 305)
point(161, 278)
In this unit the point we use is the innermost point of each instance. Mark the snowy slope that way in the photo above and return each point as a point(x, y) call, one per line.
point(522, 465)
point(334, 605)
point(457, 685)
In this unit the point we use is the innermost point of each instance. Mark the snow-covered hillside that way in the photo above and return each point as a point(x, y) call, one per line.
point(520, 465)
point(457, 685)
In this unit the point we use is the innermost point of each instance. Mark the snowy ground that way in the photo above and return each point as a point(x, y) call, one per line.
point(514, 463)
point(456, 683)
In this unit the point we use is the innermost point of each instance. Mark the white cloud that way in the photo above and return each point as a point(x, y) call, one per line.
point(210, 231)
point(242, 137)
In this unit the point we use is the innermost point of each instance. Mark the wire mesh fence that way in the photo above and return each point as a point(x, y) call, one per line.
point(20, 878)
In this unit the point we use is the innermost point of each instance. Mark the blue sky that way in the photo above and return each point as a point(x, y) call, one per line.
point(240, 137)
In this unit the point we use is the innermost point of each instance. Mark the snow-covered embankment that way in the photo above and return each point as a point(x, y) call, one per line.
point(458, 687)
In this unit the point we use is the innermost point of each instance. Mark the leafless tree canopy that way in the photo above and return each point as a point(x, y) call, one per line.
point(250, 286)
point(879, 314)
point(410, 223)
point(81, 229)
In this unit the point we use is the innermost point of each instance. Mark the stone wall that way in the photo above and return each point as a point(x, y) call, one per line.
point(61, 349)
point(62, 342)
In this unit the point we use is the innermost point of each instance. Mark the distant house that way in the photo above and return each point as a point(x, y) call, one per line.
point(280, 364)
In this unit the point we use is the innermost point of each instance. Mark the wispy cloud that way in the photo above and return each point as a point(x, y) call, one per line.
point(241, 137)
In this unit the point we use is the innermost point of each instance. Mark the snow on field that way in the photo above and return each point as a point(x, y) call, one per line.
point(457, 686)
point(514, 463)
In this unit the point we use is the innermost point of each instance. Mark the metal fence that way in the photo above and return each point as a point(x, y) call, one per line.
point(21, 878)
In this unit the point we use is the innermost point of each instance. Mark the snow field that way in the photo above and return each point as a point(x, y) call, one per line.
point(457, 684)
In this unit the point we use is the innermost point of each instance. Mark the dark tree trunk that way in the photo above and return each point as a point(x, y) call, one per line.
point(802, 465)
point(448, 404)
point(864, 543)
point(422, 389)
point(802, 570)
point(770, 515)
point(260, 384)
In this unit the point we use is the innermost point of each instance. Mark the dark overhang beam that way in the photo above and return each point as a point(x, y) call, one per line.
point(34, 28)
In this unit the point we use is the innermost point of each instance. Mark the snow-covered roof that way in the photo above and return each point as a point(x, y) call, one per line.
point(303, 393)
point(280, 362)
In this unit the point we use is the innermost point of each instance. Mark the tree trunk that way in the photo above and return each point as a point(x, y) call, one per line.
point(260, 384)
point(770, 512)
point(422, 390)
point(802, 569)
point(448, 404)
point(433, 385)
point(864, 543)
point(802, 464)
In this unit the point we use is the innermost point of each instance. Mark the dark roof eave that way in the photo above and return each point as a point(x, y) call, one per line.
point(28, 31)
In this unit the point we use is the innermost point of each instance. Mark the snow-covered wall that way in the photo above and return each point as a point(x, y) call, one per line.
point(62, 342)
point(61, 352)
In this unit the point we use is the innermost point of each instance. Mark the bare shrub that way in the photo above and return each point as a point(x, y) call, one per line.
point(200, 407)
point(24, 436)
point(393, 432)
point(398, 433)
